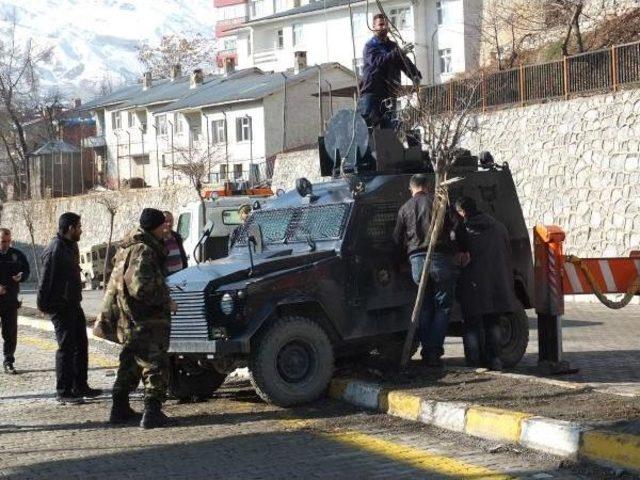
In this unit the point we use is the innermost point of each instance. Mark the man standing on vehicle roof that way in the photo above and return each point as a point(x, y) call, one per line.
point(380, 83)
point(413, 230)
point(14, 269)
point(142, 298)
point(173, 243)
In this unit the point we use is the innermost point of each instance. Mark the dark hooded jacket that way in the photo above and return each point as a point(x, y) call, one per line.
point(137, 292)
point(12, 262)
point(60, 284)
point(486, 283)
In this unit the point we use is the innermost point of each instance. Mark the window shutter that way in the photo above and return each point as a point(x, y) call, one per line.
point(238, 129)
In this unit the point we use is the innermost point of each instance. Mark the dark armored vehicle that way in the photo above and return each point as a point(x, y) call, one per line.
point(316, 276)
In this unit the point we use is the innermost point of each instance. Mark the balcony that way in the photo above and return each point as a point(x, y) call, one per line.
point(223, 26)
point(94, 142)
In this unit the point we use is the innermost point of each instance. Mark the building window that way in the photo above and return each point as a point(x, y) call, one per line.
point(177, 123)
point(218, 133)
point(401, 18)
point(358, 65)
point(229, 44)
point(280, 39)
point(237, 171)
point(360, 27)
point(297, 33)
point(243, 129)
point(161, 124)
point(445, 60)
point(442, 9)
point(165, 160)
point(256, 8)
point(223, 172)
point(116, 120)
point(281, 5)
point(131, 119)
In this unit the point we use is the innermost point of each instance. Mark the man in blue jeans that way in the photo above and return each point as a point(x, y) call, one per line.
point(412, 231)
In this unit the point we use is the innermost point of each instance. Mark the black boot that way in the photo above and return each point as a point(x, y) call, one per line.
point(121, 412)
point(153, 416)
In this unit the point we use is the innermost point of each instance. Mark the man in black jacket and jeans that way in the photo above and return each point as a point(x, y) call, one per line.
point(60, 294)
point(14, 269)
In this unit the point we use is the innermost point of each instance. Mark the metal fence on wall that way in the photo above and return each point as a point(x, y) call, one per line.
point(597, 71)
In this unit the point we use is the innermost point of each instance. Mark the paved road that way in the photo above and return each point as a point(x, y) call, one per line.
point(234, 435)
point(597, 341)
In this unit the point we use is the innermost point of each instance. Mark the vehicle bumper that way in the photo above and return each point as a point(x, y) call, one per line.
point(210, 347)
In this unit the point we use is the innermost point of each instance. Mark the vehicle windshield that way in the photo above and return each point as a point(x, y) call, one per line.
point(290, 225)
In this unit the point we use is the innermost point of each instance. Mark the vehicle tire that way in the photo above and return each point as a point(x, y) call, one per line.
point(190, 379)
point(515, 337)
point(291, 361)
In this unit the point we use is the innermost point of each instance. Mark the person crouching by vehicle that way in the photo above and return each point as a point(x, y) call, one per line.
point(142, 298)
point(173, 244)
point(485, 289)
point(412, 231)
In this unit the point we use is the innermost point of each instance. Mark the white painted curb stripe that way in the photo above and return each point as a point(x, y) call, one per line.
point(547, 435)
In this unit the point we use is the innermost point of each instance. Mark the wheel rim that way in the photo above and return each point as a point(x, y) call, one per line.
point(507, 330)
point(295, 361)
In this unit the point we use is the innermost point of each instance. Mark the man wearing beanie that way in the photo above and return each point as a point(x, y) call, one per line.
point(141, 298)
point(60, 294)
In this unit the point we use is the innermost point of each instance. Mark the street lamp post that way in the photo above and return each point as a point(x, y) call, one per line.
point(248, 117)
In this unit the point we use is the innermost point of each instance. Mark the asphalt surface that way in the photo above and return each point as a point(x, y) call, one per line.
point(234, 435)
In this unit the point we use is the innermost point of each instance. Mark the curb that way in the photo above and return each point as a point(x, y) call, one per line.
point(556, 437)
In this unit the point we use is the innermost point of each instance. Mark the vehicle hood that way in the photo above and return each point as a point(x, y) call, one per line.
point(237, 268)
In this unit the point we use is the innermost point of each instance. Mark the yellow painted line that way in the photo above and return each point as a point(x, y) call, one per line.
point(613, 448)
point(49, 345)
point(414, 457)
point(403, 405)
point(494, 423)
point(404, 454)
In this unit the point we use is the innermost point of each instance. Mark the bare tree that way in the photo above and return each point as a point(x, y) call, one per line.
point(111, 203)
point(18, 94)
point(442, 134)
point(28, 214)
point(190, 51)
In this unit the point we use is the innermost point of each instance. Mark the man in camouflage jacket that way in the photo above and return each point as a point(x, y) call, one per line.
point(137, 299)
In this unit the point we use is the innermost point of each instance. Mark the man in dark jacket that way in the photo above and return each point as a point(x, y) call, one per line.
point(383, 62)
point(412, 230)
point(486, 284)
point(60, 294)
point(176, 256)
point(14, 269)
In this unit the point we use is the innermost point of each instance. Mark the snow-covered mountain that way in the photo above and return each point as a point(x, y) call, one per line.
point(94, 40)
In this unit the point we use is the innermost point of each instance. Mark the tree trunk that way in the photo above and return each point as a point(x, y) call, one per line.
point(576, 29)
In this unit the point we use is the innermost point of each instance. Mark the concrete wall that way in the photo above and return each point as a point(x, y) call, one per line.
point(95, 219)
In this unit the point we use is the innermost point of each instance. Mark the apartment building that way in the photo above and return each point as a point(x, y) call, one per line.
point(238, 122)
point(445, 33)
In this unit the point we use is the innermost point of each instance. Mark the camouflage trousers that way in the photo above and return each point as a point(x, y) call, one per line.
point(144, 356)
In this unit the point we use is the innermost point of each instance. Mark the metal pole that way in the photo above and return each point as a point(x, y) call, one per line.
point(614, 69)
point(173, 158)
point(433, 55)
point(206, 119)
point(320, 99)
point(250, 150)
point(129, 151)
point(565, 76)
point(53, 169)
point(81, 162)
point(117, 158)
point(155, 128)
point(72, 162)
point(226, 149)
point(144, 174)
point(330, 96)
point(284, 113)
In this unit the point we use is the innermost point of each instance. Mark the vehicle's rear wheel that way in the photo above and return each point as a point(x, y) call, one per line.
point(515, 337)
point(190, 379)
point(291, 361)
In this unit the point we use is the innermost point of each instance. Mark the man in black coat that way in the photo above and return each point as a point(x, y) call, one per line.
point(485, 289)
point(60, 294)
point(14, 269)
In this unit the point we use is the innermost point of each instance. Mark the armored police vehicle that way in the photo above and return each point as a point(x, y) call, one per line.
point(315, 276)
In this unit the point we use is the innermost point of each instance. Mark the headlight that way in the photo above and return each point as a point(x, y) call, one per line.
point(227, 304)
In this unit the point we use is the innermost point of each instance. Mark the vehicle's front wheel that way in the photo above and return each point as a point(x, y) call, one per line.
point(291, 361)
point(190, 379)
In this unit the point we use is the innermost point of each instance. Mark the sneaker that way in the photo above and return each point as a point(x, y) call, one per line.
point(9, 368)
point(69, 399)
point(88, 392)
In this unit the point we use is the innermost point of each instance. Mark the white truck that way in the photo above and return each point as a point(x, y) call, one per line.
point(222, 210)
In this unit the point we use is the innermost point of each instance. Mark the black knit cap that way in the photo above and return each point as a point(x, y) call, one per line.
point(151, 218)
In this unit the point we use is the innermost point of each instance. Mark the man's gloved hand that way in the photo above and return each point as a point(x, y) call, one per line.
point(408, 48)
